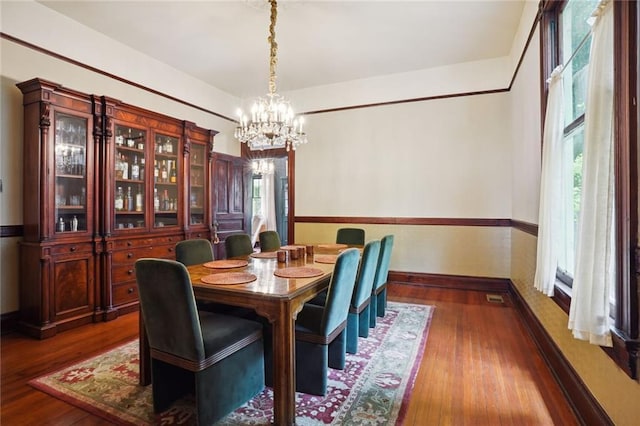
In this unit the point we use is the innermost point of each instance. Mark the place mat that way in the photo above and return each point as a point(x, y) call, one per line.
point(298, 272)
point(290, 247)
point(226, 264)
point(325, 258)
point(229, 278)
point(265, 255)
point(333, 246)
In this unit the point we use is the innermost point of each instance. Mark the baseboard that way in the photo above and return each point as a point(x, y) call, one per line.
point(455, 282)
point(585, 406)
point(9, 322)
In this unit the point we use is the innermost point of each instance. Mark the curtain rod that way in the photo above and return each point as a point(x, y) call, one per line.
point(584, 40)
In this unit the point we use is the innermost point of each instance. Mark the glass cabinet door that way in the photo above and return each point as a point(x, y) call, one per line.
point(197, 185)
point(165, 176)
point(70, 143)
point(129, 190)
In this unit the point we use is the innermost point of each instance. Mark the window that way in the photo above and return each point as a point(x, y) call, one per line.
point(574, 43)
point(565, 39)
point(256, 196)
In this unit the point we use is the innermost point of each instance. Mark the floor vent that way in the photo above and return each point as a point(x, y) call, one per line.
point(494, 298)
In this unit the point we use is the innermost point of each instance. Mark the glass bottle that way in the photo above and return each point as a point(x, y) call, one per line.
point(61, 225)
point(173, 177)
point(156, 200)
point(135, 168)
point(125, 168)
point(164, 176)
point(142, 164)
point(139, 200)
point(156, 171)
point(168, 147)
point(119, 202)
point(74, 223)
point(165, 200)
point(129, 200)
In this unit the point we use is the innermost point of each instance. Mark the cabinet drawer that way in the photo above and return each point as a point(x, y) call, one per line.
point(123, 273)
point(72, 248)
point(143, 242)
point(124, 293)
point(130, 256)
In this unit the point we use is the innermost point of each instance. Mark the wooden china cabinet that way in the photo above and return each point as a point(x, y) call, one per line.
point(105, 183)
point(61, 242)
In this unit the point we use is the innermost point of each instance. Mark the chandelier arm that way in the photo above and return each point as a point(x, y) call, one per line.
point(273, 51)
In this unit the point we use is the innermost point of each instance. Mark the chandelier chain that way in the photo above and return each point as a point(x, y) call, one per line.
point(273, 59)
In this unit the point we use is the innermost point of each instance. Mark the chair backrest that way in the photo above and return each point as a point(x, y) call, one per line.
point(169, 308)
point(354, 236)
point(343, 279)
point(366, 273)
point(238, 245)
point(194, 252)
point(269, 241)
point(382, 270)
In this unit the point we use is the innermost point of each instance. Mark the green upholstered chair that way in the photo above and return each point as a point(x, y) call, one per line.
point(238, 245)
point(359, 310)
point(194, 252)
point(218, 358)
point(321, 330)
point(379, 291)
point(269, 241)
point(351, 236)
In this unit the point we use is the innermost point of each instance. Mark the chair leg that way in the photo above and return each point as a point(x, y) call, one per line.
point(374, 310)
point(382, 302)
point(363, 322)
point(169, 383)
point(338, 351)
point(311, 368)
point(352, 333)
point(242, 376)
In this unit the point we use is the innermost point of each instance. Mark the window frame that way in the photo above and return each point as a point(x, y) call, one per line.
point(625, 331)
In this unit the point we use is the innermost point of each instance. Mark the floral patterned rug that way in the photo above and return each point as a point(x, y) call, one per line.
point(372, 390)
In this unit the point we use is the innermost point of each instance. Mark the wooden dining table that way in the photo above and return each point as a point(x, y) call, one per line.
point(275, 298)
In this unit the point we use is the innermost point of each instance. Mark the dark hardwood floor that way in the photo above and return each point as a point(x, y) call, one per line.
point(480, 367)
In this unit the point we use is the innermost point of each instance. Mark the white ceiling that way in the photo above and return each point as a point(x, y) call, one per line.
point(224, 43)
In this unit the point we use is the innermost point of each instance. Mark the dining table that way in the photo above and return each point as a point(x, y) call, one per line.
point(277, 298)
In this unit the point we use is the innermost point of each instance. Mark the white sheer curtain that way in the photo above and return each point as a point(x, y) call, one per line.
point(595, 265)
point(269, 201)
point(549, 214)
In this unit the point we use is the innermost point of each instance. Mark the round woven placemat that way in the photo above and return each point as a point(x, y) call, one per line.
point(333, 246)
point(298, 272)
point(325, 258)
point(265, 255)
point(226, 264)
point(229, 278)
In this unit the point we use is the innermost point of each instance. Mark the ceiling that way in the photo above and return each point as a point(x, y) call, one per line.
point(224, 43)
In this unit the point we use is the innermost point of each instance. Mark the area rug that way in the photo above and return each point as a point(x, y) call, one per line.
point(373, 389)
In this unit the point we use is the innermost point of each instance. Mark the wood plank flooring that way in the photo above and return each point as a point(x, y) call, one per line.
point(480, 367)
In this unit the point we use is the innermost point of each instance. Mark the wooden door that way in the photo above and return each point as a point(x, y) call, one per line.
point(228, 200)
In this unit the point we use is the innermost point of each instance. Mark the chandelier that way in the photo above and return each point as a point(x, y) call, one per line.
point(272, 123)
point(262, 167)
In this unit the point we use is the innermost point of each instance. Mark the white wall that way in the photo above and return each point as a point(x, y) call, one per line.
point(441, 158)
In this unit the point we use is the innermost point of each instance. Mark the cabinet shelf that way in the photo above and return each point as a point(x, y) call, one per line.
point(130, 149)
point(69, 176)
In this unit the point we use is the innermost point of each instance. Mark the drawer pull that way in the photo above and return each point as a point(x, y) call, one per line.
point(170, 239)
point(73, 248)
point(170, 249)
point(129, 255)
point(130, 271)
point(129, 243)
point(130, 290)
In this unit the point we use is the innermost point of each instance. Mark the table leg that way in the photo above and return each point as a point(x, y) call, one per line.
point(145, 358)
point(284, 370)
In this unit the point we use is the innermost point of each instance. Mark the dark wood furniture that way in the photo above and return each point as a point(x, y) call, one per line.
point(58, 253)
point(277, 299)
point(105, 183)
